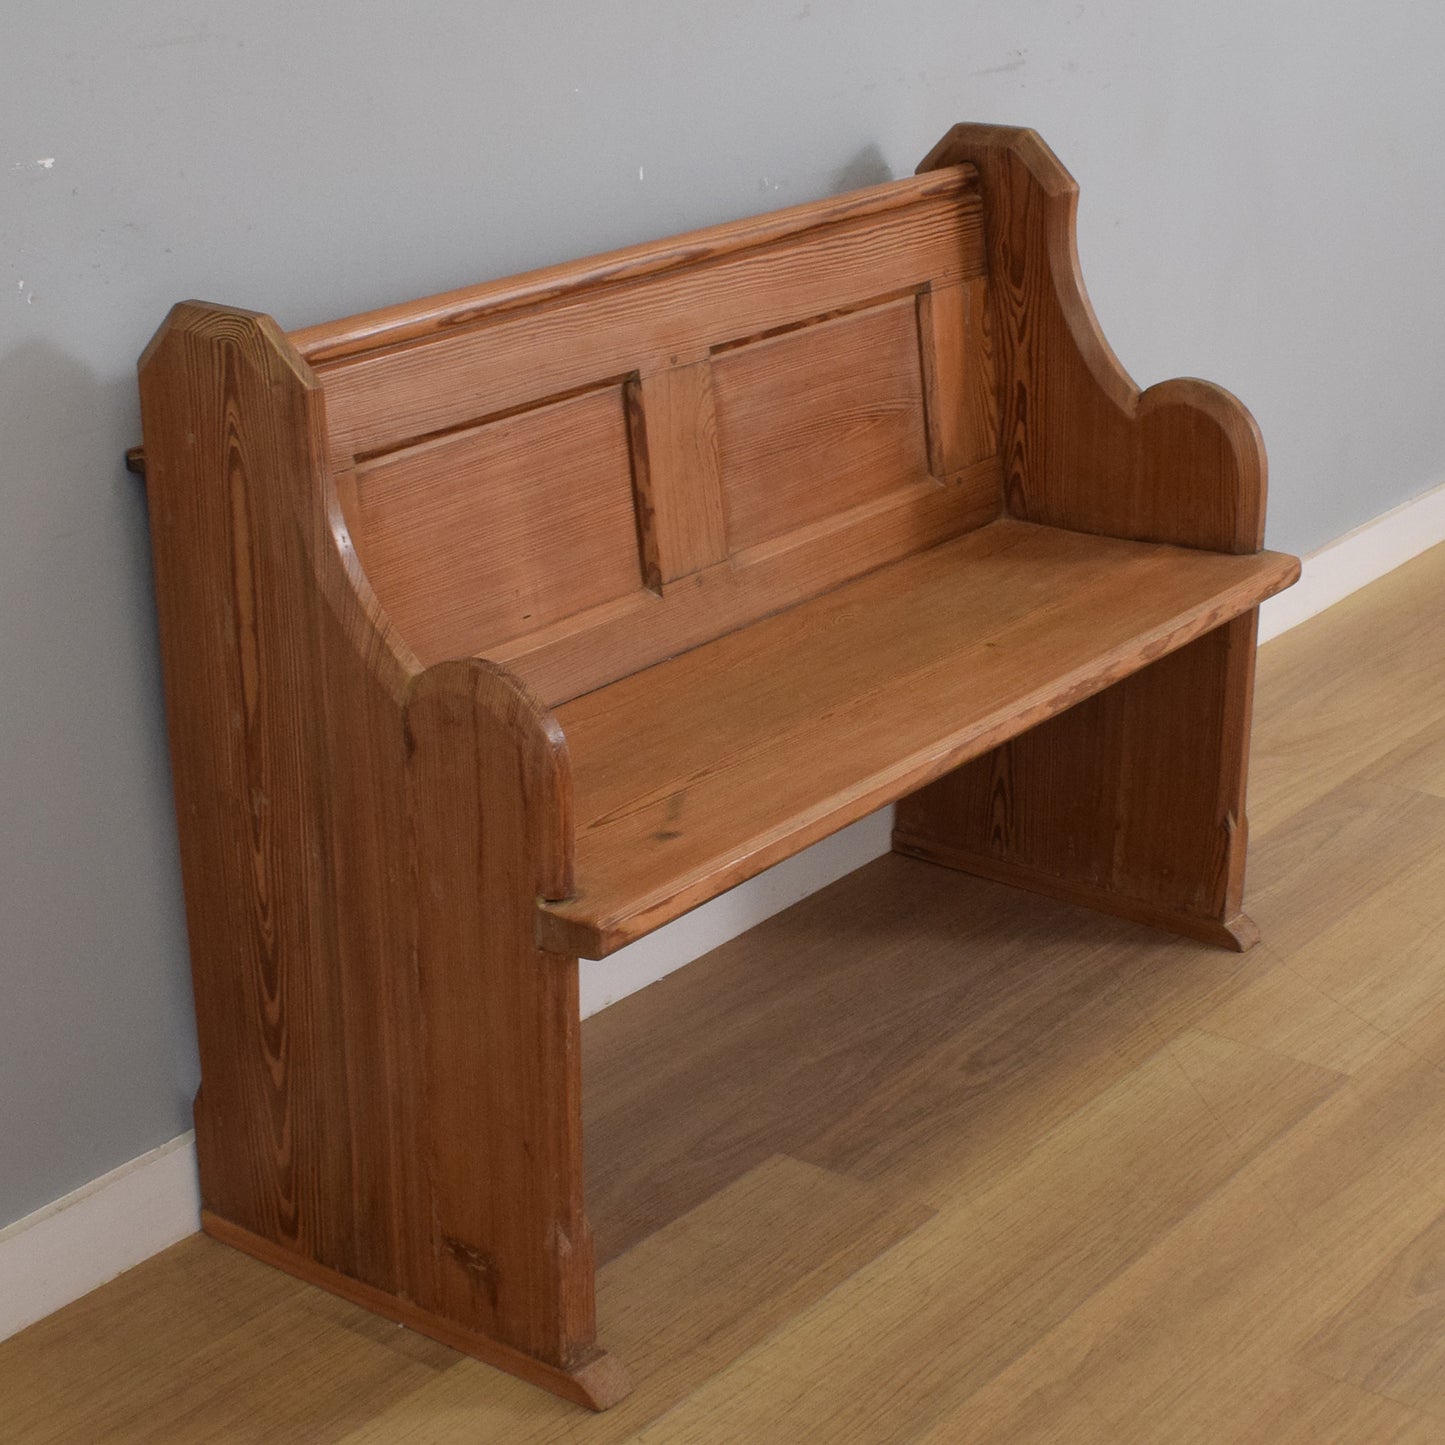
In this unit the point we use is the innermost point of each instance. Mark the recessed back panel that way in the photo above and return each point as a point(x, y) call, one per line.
point(503, 528)
point(583, 472)
point(819, 420)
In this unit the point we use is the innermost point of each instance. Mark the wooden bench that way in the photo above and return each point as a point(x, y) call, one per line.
point(503, 627)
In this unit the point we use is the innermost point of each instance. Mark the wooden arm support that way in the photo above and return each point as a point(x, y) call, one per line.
point(498, 1042)
point(1082, 446)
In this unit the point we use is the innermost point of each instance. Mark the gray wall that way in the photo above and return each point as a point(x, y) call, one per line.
point(1263, 204)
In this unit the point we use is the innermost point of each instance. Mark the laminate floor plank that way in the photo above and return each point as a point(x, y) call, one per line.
point(299, 1372)
point(919, 1330)
point(812, 1028)
point(1394, 985)
point(1342, 691)
point(1390, 1339)
point(147, 1325)
point(1328, 865)
point(682, 1305)
point(1216, 1332)
point(1280, 1009)
point(1418, 764)
point(1268, 1403)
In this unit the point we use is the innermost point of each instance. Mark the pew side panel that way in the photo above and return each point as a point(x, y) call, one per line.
point(500, 1062)
point(1082, 447)
point(1134, 801)
point(301, 1023)
point(339, 921)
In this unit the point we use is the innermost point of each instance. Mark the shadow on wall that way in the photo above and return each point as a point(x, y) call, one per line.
point(867, 168)
point(96, 1042)
point(74, 555)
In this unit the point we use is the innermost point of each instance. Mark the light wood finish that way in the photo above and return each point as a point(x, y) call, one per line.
point(958, 375)
point(695, 1296)
point(510, 624)
point(704, 770)
point(684, 497)
point(599, 647)
point(1141, 1189)
point(598, 1382)
point(391, 396)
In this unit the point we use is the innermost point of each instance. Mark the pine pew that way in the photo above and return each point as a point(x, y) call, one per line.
point(503, 627)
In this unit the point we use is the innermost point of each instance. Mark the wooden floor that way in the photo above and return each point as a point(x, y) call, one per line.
point(926, 1160)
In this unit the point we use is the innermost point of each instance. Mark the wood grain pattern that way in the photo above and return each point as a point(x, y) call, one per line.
point(413, 320)
point(493, 534)
point(1387, 1339)
point(596, 1380)
point(499, 1052)
point(778, 735)
point(1226, 1307)
point(903, 1026)
point(696, 1295)
point(1316, 731)
point(312, 754)
point(1083, 447)
point(1076, 810)
point(1333, 912)
point(684, 500)
point(1009, 1263)
point(913, 1036)
point(957, 354)
point(285, 1008)
point(1132, 802)
point(771, 401)
point(611, 642)
point(820, 420)
point(393, 396)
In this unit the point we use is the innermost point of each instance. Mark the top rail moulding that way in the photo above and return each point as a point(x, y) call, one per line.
point(409, 321)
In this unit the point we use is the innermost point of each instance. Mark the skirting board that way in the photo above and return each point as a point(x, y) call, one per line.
point(1357, 559)
point(96, 1232)
point(699, 932)
point(93, 1234)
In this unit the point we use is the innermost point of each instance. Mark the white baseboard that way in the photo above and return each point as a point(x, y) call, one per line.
point(104, 1228)
point(96, 1232)
point(705, 928)
point(1357, 559)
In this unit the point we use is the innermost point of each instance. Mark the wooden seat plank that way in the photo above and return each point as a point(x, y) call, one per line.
point(695, 775)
